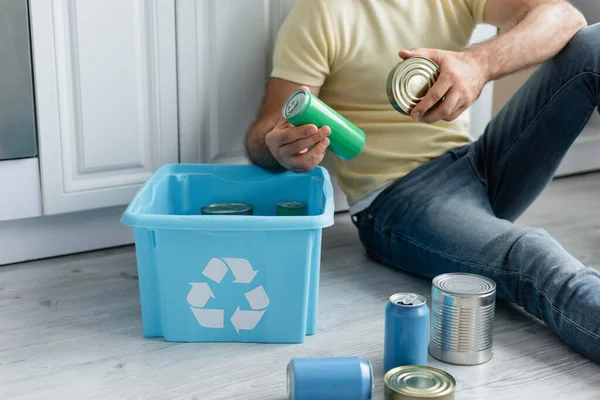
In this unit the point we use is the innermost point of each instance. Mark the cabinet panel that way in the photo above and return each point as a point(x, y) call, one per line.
point(105, 75)
point(238, 62)
point(224, 60)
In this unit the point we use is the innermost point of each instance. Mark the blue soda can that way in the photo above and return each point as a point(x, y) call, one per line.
point(406, 338)
point(343, 378)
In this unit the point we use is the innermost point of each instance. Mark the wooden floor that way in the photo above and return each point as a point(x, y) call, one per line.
point(70, 328)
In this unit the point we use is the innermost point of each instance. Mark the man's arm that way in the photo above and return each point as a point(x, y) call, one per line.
point(274, 143)
point(531, 32)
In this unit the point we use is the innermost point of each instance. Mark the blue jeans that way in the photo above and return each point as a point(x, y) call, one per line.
point(456, 213)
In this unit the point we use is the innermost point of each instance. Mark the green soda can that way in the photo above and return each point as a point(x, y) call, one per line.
point(291, 208)
point(228, 209)
point(302, 107)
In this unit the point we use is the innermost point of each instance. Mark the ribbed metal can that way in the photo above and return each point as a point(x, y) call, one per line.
point(409, 81)
point(417, 382)
point(462, 318)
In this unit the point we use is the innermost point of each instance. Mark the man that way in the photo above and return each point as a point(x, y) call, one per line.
point(424, 197)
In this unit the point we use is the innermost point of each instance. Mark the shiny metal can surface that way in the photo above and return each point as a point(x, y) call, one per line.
point(302, 107)
point(291, 208)
point(462, 318)
point(415, 382)
point(409, 81)
point(333, 378)
point(228, 209)
point(406, 331)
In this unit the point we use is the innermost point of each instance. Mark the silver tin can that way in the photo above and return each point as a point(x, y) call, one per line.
point(462, 318)
point(416, 382)
point(228, 209)
point(409, 81)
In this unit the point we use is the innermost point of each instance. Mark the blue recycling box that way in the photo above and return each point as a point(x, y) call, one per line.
point(243, 278)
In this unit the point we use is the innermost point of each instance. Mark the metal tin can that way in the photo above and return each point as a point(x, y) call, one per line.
point(228, 209)
point(302, 107)
point(409, 81)
point(406, 331)
point(291, 208)
point(462, 318)
point(343, 378)
point(414, 382)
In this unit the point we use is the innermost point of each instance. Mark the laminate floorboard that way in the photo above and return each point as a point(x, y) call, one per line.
point(70, 327)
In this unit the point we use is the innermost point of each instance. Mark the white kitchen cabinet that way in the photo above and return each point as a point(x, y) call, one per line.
point(106, 98)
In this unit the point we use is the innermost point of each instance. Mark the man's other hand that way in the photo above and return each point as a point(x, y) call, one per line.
point(462, 77)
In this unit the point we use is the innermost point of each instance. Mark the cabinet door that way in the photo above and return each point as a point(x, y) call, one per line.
point(106, 94)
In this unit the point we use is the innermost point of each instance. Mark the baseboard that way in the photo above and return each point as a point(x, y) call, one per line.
point(55, 235)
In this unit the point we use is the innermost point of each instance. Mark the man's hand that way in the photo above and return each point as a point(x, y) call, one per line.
point(274, 143)
point(462, 77)
point(291, 145)
point(531, 32)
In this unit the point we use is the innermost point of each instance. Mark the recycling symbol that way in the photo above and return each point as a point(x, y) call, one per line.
point(201, 293)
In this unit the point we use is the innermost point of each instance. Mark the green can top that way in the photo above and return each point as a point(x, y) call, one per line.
point(287, 208)
point(227, 209)
point(295, 104)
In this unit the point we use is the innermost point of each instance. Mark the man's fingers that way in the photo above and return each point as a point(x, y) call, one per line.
point(437, 91)
point(459, 110)
point(299, 145)
point(281, 137)
point(415, 52)
point(446, 108)
point(310, 159)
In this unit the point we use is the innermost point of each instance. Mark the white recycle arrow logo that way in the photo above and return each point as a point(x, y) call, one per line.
point(200, 294)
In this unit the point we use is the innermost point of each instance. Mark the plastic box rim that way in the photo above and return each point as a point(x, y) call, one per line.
point(228, 223)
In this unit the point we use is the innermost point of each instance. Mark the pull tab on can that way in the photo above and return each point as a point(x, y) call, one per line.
point(409, 299)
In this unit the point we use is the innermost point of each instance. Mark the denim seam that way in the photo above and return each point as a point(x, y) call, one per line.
point(559, 312)
point(483, 181)
point(526, 131)
point(442, 254)
point(512, 246)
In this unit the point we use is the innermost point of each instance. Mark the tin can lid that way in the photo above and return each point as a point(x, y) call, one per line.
point(226, 208)
point(413, 381)
point(464, 284)
point(295, 103)
point(410, 80)
point(407, 299)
